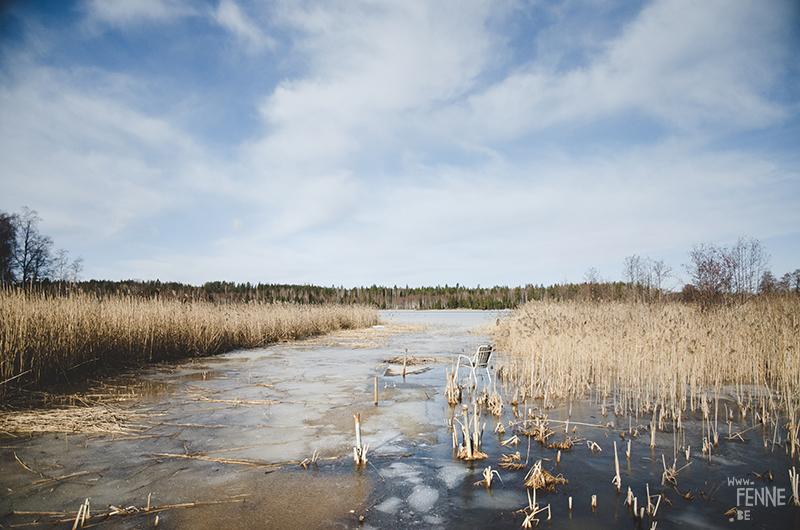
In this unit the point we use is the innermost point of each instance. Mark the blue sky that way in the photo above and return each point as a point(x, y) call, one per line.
point(400, 142)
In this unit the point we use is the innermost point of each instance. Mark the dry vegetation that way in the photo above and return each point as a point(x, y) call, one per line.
point(44, 339)
point(662, 359)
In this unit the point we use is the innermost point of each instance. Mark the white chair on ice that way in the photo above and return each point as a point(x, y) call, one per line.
point(479, 360)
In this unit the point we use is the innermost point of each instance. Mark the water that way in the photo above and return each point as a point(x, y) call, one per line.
point(215, 429)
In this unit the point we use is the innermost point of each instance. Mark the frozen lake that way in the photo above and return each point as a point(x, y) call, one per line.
point(232, 437)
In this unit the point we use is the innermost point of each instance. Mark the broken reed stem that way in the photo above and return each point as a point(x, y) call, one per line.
point(488, 474)
point(359, 451)
point(617, 481)
point(452, 391)
point(83, 515)
point(532, 510)
point(253, 464)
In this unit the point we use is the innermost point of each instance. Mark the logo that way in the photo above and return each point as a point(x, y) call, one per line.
point(750, 496)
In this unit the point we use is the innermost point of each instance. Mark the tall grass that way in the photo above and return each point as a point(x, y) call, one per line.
point(45, 339)
point(637, 357)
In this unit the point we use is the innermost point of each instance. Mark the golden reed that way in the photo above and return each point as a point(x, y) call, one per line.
point(44, 339)
point(638, 357)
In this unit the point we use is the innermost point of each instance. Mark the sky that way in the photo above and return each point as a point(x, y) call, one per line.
point(404, 142)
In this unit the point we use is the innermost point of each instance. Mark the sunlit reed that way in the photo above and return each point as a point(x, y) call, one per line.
point(660, 359)
point(44, 339)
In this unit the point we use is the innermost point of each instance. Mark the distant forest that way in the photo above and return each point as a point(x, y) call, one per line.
point(717, 274)
point(447, 297)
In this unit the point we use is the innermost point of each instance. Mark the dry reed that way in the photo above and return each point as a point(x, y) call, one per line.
point(539, 478)
point(46, 339)
point(470, 448)
point(92, 419)
point(513, 462)
point(410, 360)
point(662, 359)
point(532, 510)
point(488, 475)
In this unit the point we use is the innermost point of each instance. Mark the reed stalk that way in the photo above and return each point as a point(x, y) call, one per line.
point(660, 359)
point(359, 451)
point(46, 339)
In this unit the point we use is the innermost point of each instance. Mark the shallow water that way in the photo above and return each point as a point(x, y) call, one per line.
point(230, 431)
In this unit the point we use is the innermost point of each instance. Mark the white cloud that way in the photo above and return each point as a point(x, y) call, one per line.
point(393, 150)
point(229, 16)
point(464, 226)
point(370, 68)
point(70, 148)
point(690, 65)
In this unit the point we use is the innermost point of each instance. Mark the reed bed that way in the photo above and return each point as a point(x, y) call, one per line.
point(94, 419)
point(45, 339)
point(659, 359)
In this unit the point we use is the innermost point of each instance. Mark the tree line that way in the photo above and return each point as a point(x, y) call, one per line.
point(717, 274)
point(221, 292)
point(724, 274)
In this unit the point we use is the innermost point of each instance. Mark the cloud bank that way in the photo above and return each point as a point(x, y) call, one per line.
point(411, 142)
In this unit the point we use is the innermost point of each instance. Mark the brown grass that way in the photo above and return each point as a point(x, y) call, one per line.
point(637, 357)
point(45, 339)
point(539, 478)
point(94, 419)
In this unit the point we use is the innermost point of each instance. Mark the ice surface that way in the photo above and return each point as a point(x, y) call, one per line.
point(390, 505)
point(453, 475)
point(423, 498)
point(434, 520)
point(406, 472)
point(276, 406)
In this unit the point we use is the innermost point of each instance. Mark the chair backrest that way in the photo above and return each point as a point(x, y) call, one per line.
point(482, 356)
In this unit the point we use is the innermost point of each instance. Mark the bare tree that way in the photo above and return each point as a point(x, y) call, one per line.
point(790, 282)
point(659, 272)
point(644, 276)
point(75, 269)
point(31, 257)
point(632, 270)
point(794, 286)
point(748, 262)
point(64, 271)
point(768, 283)
point(710, 271)
point(7, 244)
point(60, 265)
